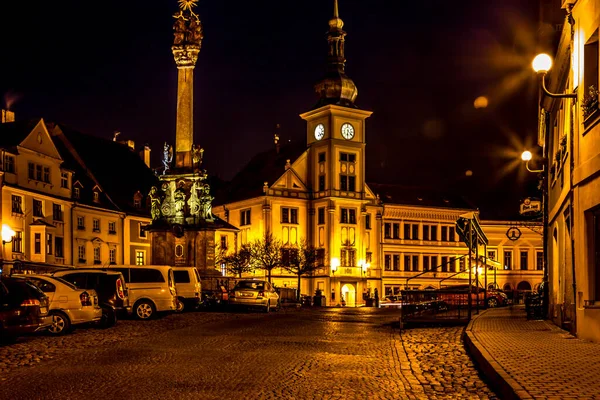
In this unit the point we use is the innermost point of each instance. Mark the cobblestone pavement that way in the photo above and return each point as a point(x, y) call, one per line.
point(535, 359)
point(293, 354)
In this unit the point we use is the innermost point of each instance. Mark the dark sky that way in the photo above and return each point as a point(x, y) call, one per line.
point(107, 66)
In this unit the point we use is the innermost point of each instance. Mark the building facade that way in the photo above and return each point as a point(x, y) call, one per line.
point(65, 203)
point(374, 238)
point(570, 136)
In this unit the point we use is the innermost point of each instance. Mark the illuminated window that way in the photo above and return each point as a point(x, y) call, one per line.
point(524, 260)
point(9, 164)
point(64, 180)
point(17, 242)
point(245, 217)
point(76, 193)
point(289, 215)
point(140, 257)
point(81, 253)
point(96, 255)
point(17, 204)
point(37, 243)
point(348, 216)
point(347, 174)
point(38, 208)
point(508, 260)
point(57, 212)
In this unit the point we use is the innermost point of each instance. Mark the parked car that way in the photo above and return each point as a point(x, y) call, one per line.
point(69, 306)
point(23, 308)
point(254, 293)
point(493, 298)
point(187, 283)
point(151, 289)
point(110, 287)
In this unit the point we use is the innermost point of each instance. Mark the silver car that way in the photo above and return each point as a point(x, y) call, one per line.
point(69, 305)
point(253, 293)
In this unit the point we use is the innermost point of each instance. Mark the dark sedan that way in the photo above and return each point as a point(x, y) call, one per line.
point(23, 308)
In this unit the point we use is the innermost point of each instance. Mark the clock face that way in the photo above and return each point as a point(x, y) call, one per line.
point(319, 131)
point(347, 131)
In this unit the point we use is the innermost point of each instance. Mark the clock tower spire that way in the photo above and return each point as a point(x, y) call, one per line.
point(336, 87)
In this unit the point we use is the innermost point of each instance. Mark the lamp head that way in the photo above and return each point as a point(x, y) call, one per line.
point(542, 63)
point(335, 263)
point(7, 234)
point(526, 155)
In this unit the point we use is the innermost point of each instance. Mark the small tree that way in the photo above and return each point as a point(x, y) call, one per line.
point(265, 254)
point(303, 260)
point(238, 262)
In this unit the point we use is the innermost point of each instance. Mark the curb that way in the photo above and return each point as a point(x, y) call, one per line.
point(504, 386)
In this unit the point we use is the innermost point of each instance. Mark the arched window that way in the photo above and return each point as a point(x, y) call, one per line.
point(524, 286)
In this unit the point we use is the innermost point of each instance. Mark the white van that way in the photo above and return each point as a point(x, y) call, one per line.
point(151, 288)
point(187, 283)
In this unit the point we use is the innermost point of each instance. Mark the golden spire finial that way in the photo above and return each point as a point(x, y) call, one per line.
point(187, 4)
point(335, 9)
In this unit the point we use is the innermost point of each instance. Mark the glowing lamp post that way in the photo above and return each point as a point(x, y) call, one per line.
point(335, 263)
point(542, 64)
point(7, 237)
point(527, 156)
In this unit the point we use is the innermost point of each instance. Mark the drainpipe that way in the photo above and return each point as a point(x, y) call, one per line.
point(575, 123)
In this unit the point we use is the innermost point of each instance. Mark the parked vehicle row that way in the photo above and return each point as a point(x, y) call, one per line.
point(60, 301)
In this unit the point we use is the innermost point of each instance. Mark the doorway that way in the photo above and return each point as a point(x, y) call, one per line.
point(349, 294)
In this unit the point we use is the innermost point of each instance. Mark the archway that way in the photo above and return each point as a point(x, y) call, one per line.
point(507, 287)
point(349, 294)
point(524, 286)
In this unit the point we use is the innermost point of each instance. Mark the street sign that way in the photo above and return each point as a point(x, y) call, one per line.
point(513, 233)
point(530, 207)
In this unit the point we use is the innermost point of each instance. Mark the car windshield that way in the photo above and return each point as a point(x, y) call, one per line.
point(256, 285)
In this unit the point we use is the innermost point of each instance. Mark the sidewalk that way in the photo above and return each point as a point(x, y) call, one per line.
point(528, 359)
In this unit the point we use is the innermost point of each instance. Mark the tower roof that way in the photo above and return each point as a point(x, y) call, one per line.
point(336, 87)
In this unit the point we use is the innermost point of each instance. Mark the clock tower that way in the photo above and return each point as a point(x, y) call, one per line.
point(336, 138)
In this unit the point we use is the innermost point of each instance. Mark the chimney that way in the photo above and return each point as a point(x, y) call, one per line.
point(145, 155)
point(131, 144)
point(7, 116)
point(288, 165)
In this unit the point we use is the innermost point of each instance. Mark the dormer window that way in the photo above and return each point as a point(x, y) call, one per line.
point(76, 193)
point(137, 200)
point(9, 164)
point(96, 197)
point(64, 180)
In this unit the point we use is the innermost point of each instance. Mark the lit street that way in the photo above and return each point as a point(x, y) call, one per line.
point(301, 354)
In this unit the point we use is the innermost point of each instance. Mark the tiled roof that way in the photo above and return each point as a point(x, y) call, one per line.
point(13, 133)
point(418, 196)
point(119, 171)
point(267, 166)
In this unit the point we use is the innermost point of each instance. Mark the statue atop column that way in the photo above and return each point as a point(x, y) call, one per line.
point(188, 34)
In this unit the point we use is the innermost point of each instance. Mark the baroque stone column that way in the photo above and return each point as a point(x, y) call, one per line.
point(187, 41)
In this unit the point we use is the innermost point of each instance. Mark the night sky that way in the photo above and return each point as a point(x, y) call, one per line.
point(107, 66)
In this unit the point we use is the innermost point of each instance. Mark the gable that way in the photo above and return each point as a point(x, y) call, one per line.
point(369, 193)
point(39, 141)
point(289, 180)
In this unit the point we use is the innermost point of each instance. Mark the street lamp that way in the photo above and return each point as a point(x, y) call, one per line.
point(7, 236)
point(542, 64)
point(527, 156)
point(335, 263)
point(364, 266)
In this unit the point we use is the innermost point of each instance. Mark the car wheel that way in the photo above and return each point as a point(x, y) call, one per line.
point(180, 305)
point(492, 302)
point(144, 309)
point(60, 324)
point(109, 318)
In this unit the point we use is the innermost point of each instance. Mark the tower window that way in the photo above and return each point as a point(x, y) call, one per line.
point(348, 216)
point(245, 217)
point(321, 157)
point(321, 216)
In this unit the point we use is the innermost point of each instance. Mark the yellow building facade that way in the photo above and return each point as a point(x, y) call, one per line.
point(570, 136)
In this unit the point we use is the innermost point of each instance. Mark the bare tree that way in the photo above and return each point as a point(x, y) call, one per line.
point(238, 262)
point(302, 259)
point(265, 254)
